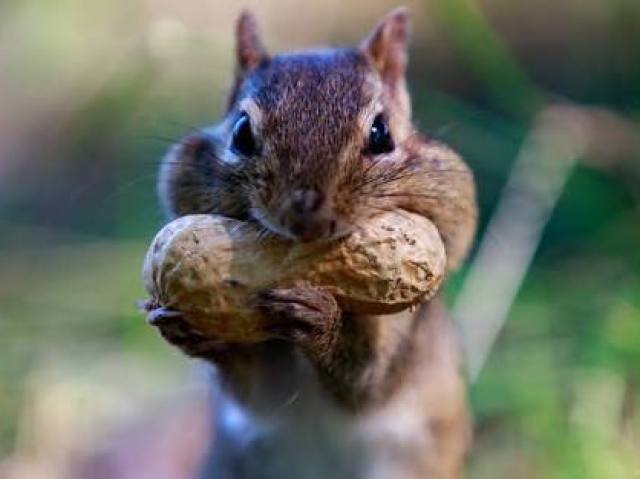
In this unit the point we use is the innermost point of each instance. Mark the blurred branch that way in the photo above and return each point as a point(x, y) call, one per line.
point(512, 236)
point(629, 412)
point(560, 137)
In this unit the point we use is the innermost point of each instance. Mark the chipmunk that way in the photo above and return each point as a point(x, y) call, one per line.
point(309, 142)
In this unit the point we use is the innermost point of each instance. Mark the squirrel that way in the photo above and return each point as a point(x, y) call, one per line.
point(309, 142)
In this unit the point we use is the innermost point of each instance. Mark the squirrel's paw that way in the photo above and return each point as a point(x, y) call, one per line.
point(179, 333)
point(306, 315)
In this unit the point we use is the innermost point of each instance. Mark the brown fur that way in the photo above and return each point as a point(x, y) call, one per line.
point(395, 380)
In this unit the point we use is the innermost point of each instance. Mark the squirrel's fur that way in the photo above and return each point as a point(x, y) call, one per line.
point(332, 394)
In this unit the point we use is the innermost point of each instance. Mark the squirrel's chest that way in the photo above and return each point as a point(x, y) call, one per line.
point(311, 437)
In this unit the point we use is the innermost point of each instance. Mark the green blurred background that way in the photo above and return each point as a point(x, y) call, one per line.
point(91, 95)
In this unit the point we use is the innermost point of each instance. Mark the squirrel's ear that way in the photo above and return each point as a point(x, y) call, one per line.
point(387, 45)
point(249, 47)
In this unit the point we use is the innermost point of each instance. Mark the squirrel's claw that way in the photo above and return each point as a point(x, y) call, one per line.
point(161, 316)
point(306, 315)
point(179, 333)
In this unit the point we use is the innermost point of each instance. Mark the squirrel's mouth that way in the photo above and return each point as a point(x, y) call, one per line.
point(303, 230)
point(269, 227)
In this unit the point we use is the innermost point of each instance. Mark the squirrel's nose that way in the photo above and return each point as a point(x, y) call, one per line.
point(305, 201)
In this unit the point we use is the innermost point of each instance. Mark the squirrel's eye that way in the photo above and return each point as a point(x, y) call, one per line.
point(380, 140)
point(242, 140)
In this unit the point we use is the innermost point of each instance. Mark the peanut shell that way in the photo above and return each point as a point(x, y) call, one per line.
point(210, 267)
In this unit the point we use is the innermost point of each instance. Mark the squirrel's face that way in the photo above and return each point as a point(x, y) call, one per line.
point(302, 130)
point(309, 141)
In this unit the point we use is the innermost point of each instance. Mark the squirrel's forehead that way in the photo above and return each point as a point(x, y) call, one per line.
point(312, 97)
point(333, 79)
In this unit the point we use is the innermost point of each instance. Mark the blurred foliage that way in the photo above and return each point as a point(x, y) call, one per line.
point(92, 96)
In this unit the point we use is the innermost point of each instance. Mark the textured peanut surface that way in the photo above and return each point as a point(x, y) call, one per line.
point(209, 267)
